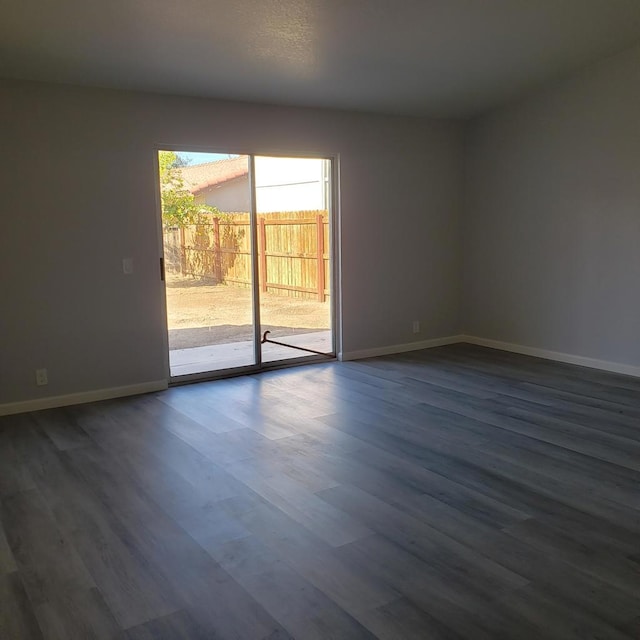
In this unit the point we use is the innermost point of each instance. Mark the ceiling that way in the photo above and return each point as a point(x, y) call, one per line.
point(417, 57)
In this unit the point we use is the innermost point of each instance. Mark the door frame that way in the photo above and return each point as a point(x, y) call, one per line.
point(335, 284)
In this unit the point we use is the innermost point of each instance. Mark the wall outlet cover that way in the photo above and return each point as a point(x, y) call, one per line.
point(127, 266)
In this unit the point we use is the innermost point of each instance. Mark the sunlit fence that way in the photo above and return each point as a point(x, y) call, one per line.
point(293, 252)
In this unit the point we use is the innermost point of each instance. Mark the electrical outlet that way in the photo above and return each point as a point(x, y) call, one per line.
point(127, 266)
point(416, 326)
point(41, 377)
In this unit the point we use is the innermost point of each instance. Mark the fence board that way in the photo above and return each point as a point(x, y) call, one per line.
point(293, 252)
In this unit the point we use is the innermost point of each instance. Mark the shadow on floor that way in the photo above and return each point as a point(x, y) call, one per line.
point(227, 334)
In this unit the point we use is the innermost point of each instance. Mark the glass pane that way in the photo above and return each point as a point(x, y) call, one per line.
point(207, 248)
point(293, 209)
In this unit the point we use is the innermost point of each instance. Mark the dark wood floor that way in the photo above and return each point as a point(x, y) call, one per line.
point(453, 493)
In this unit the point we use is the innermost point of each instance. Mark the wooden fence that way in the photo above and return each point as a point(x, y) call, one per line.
point(293, 252)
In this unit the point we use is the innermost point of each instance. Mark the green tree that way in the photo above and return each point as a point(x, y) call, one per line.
point(178, 203)
point(181, 161)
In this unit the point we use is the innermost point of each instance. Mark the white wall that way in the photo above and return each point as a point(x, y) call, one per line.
point(552, 217)
point(289, 184)
point(282, 184)
point(232, 197)
point(78, 189)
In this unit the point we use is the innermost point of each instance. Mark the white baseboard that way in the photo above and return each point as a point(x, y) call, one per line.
point(399, 348)
point(582, 361)
point(160, 385)
point(82, 397)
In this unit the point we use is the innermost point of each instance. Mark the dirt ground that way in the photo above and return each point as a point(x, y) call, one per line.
point(201, 313)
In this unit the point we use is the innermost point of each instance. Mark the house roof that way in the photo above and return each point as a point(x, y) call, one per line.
point(199, 177)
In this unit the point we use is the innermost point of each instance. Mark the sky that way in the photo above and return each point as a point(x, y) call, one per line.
point(199, 158)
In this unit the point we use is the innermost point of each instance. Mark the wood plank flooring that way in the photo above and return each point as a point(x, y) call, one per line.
point(453, 493)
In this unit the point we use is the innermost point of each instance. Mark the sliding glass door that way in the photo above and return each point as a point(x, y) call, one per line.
point(247, 261)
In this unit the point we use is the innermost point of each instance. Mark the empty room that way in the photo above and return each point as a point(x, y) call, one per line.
point(320, 320)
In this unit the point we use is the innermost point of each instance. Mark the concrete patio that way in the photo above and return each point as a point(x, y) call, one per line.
point(239, 354)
